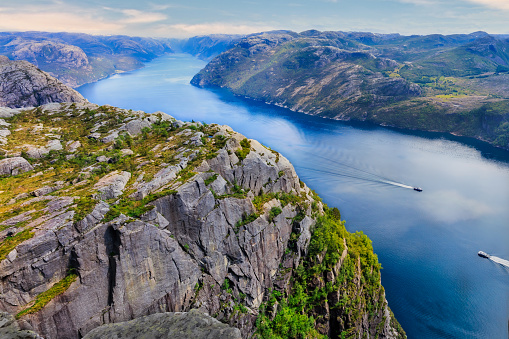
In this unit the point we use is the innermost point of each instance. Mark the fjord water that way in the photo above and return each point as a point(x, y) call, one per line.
point(427, 241)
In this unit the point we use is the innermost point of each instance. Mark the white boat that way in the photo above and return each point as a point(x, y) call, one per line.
point(483, 254)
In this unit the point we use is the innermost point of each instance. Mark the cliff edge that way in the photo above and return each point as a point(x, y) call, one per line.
point(109, 215)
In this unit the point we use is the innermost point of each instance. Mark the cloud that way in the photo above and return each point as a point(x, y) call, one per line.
point(55, 22)
point(497, 4)
point(419, 2)
point(65, 18)
point(134, 16)
point(188, 30)
point(450, 207)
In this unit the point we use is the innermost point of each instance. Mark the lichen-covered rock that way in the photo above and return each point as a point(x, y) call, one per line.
point(14, 166)
point(179, 325)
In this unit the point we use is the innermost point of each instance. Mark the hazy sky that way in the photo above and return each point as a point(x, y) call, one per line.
point(159, 18)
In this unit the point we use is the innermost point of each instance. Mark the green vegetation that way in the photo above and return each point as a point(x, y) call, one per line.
point(274, 212)
point(284, 198)
point(246, 148)
point(45, 297)
point(246, 219)
point(84, 206)
point(296, 315)
point(211, 179)
point(10, 243)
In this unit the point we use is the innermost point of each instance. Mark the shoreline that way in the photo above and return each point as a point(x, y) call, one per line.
point(451, 135)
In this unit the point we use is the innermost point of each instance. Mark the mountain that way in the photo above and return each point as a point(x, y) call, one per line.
point(207, 46)
point(77, 58)
point(22, 84)
point(430, 83)
point(109, 215)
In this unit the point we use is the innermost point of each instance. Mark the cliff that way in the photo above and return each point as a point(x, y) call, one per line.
point(429, 83)
point(22, 84)
point(109, 215)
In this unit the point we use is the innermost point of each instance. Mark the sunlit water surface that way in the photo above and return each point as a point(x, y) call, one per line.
point(427, 241)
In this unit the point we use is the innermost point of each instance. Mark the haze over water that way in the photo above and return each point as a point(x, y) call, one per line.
point(427, 242)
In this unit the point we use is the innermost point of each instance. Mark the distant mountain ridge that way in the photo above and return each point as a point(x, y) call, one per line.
point(77, 58)
point(430, 83)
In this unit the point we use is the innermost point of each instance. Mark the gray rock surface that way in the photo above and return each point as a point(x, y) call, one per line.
point(112, 185)
point(134, 127)
point(14, 166)
point(41, 151)
point(22, 85)
point(178, 325)
point(72, 146)
point(9, 329)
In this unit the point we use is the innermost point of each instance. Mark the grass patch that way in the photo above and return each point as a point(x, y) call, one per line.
point(45, 297)
point(130, 208)
point(274, 212)
point(85, 206)
point(211, 179)
point(10, 243)
point(246, 148)
point(246, 219)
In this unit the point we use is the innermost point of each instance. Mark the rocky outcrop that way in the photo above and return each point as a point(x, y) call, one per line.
point(172, 226)
point(14, 166)
point(22, 85)
point(179, 325)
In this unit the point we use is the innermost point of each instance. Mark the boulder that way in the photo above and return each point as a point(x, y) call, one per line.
point(14, 166)
point(134, 127)
point(111, 185)
point(72, 146)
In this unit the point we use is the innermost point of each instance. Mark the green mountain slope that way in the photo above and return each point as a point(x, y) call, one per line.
point(418, 82)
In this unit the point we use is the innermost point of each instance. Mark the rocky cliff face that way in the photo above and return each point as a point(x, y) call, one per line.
point(136, 214)
point(22, 84)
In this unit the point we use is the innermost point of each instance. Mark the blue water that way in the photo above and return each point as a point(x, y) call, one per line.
point(427, 242)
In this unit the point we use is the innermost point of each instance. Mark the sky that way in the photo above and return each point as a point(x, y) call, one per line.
point(180, 19)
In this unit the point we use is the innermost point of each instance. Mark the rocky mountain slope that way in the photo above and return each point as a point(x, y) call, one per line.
point(77, 58)
point(108, 215)
point(416, 82)
point(22, 84)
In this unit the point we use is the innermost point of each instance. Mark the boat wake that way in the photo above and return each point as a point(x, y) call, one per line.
point(500, 261)
point(340, 169)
